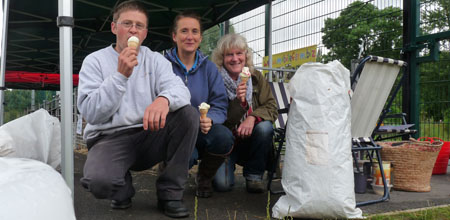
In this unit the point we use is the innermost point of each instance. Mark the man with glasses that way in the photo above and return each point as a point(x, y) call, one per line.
point(138, 113)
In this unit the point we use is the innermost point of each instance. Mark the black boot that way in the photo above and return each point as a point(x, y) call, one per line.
point(206, 171)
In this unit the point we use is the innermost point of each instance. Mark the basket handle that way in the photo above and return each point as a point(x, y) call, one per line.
point(437, 139)
point(426, 139)
point(430, 139)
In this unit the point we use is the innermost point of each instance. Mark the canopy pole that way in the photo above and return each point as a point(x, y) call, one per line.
point(65, 24)
point(268, 37)
point(3, 58)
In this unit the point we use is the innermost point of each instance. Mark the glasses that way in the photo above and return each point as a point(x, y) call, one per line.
point(129, 24)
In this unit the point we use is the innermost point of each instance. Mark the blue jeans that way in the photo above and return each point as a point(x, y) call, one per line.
point(252, 153)
point(219, 141)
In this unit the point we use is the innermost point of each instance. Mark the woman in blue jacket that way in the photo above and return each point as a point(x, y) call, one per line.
point(205, 84)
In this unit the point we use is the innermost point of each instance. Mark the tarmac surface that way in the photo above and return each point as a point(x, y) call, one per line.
point(237, 204)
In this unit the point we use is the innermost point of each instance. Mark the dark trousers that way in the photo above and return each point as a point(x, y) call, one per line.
point(218, 141)
point(111, 157)
point(252, 153)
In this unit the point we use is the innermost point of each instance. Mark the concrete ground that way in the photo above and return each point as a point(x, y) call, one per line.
point(237, 204)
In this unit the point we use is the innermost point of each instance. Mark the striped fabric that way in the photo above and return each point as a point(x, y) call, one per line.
point(371, 92)
point(361, 140)
point(281, 93)
point(387, 60)
point(395, 129)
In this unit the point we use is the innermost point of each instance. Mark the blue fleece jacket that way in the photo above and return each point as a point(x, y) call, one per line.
point(204, 83)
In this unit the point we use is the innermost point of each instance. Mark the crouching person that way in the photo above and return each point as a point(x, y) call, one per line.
point(138, 115)
point(214, 141)
point(252, 109)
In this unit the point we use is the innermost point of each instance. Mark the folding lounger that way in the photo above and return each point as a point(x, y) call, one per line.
point(377, 76)
point(383, 132)
point(387, 129)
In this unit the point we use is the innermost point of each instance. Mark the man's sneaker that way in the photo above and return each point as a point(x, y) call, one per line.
point(173, 208)
point(255, 186)
point(125, 204)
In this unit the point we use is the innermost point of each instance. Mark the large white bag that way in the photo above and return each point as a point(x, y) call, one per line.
point(35, 136)
point(318, 170)
point(30, 189)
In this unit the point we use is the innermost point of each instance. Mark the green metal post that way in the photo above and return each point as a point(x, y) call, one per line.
point(415, 70)
point(413, 43)
point(411, 88)
point(222, 29)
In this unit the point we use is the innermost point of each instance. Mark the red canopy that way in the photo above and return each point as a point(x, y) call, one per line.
point(36, 81)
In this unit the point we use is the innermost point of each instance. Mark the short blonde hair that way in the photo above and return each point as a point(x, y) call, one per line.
point(228, 42)
point(131, 5)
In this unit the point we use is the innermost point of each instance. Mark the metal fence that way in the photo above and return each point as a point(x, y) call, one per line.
point(435, 75)
point(298, 24)
point(53, 107)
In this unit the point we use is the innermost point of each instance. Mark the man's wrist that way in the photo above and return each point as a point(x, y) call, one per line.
point(165, 98)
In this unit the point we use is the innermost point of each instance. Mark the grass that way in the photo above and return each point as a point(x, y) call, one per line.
point(434, 213)
point(431, 213)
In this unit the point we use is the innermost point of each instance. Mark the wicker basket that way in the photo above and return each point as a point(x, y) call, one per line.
point(412, 163)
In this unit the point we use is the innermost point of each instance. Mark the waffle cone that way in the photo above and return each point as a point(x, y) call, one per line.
point(133, 44)
point(203, 113)
point(244, 79)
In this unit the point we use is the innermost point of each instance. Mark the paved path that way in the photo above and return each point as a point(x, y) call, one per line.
point(237, 203)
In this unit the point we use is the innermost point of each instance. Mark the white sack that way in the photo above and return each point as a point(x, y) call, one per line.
point(30, 189)
point(318, 171)
point(35, 136)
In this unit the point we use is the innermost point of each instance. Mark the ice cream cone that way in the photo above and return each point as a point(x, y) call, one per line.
point(203, 108)
point(133, 42)
point(244, 79)
point(245, 74)
point(203, 113)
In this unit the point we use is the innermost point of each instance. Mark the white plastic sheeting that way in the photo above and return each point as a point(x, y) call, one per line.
point(318, 171)
point(30, 189)
point(35, 136)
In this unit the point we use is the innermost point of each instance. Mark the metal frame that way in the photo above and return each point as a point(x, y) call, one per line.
point(412, 44)
point(3, 58)
point(371, 147)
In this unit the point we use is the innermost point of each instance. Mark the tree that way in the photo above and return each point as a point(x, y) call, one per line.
point(380, 31)
point(377, 30)
point(17, 101)
point(210, 38)
point(434, 76)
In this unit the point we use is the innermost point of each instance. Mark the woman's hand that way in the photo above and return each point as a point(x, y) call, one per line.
point(246, 127)
point(205, 125)
point(241, 91)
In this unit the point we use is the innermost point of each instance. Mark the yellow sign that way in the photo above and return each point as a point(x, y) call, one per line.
point(292, 59)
